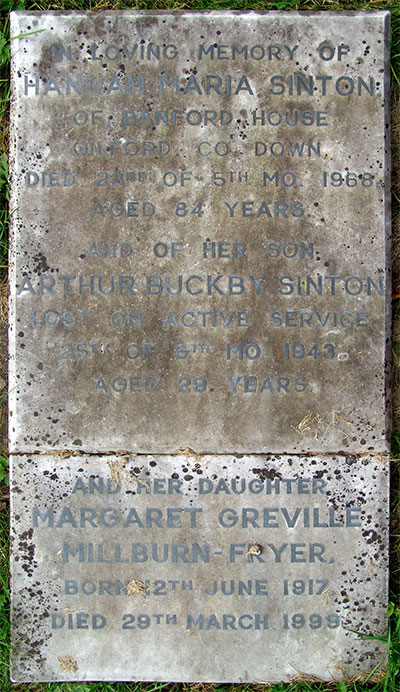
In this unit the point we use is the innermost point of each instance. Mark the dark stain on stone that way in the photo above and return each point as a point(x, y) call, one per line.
point(41, 264)
point(264, 473)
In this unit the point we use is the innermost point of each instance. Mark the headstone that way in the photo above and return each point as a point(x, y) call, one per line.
point(199, 344)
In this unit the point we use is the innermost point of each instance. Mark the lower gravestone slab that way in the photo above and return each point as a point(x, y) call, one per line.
point(187, 567)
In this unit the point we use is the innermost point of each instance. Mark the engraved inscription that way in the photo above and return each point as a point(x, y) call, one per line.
point(215, 203)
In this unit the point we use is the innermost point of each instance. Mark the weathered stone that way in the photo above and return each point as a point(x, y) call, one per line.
point(199, 232)
point(295, 550)
point(199, 262)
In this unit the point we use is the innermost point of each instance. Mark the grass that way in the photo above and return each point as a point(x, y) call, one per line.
point(391, 682)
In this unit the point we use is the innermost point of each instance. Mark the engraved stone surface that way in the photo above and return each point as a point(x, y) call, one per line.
point(199, 320)
point(192, 568)
point(200, 207)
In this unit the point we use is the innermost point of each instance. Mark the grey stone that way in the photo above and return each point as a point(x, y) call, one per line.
point(91, 600)
point(89, 181)
point(199, 266)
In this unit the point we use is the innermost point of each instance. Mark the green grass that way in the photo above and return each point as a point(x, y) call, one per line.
point(4, 600)
point(391, 683)
point(4, 470)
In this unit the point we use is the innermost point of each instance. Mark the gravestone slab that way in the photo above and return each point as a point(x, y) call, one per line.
point(199, 338)
point(199, 232)
point(254, 568)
